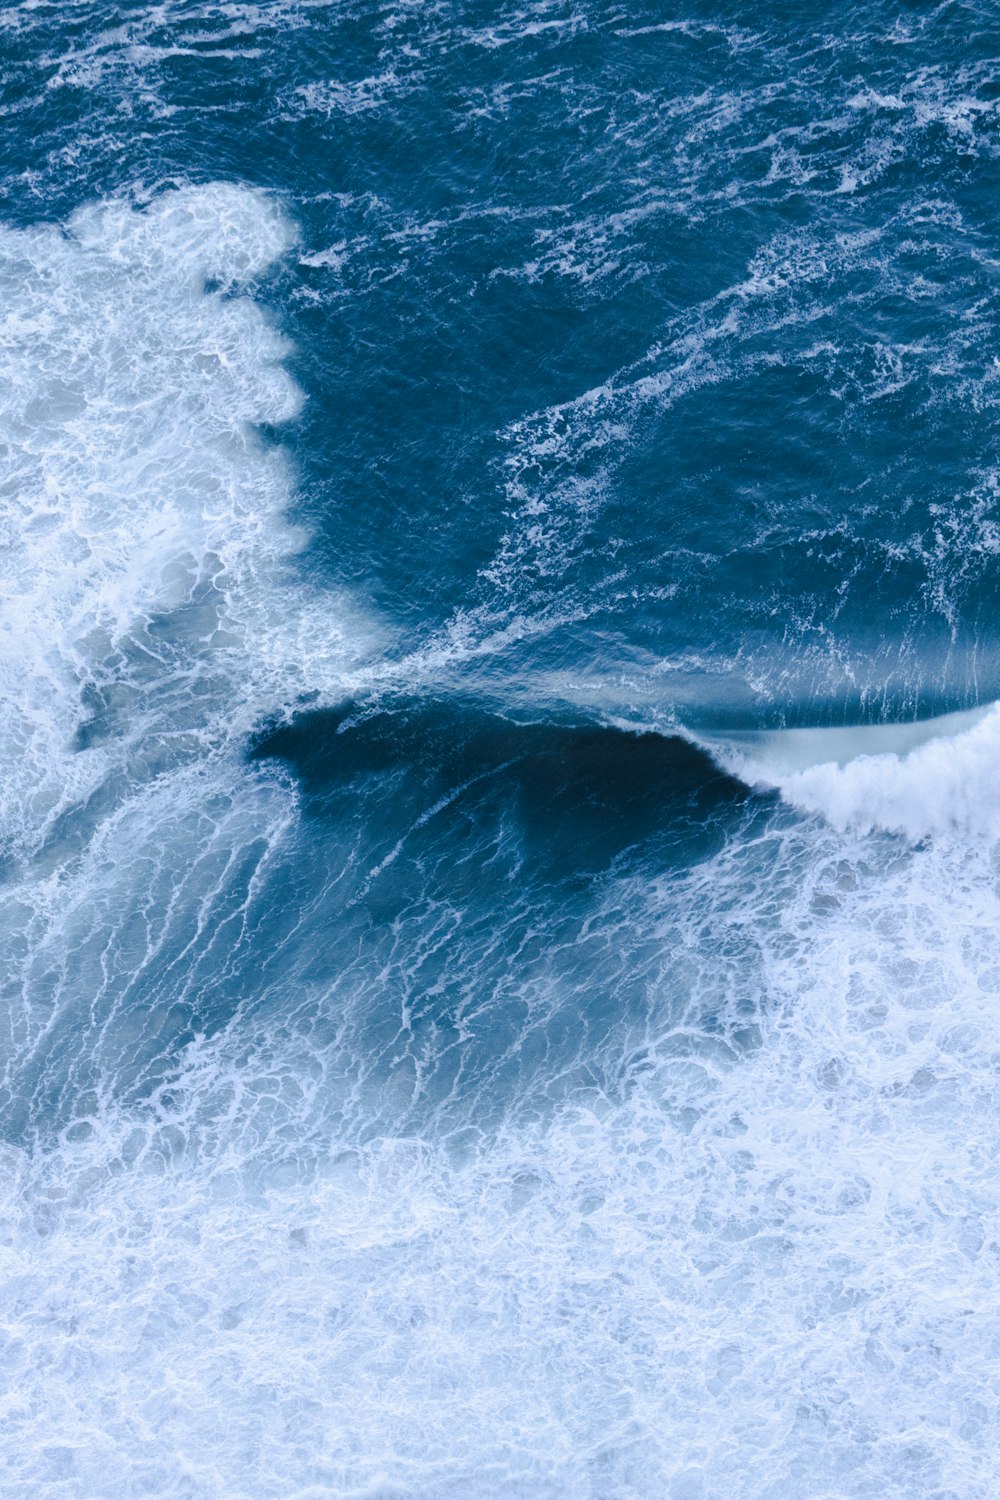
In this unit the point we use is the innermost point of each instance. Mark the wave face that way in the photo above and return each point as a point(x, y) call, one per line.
point(499, 925)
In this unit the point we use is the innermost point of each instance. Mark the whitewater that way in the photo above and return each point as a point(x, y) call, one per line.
point(499, 715)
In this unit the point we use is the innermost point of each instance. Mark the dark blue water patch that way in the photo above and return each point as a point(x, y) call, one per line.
point(771, 519)
point(578, 799)
point(502, 210)
point(464, 944)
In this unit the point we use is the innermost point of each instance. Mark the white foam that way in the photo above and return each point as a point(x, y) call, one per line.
point(143, 518)
point(928, 777)
point(754, 1270)
point(147, 623)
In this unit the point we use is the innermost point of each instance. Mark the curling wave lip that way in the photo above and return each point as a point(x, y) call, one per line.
point(931, 777)
point(783, 752)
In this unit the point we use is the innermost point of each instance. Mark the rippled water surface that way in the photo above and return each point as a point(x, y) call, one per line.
point(499, 822)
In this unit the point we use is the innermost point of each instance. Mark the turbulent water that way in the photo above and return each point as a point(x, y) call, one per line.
point(499, 808)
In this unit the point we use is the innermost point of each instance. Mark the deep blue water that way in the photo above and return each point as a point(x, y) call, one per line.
point(500, 545)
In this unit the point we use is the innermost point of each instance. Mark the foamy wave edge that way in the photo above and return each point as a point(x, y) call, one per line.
point(930, 778)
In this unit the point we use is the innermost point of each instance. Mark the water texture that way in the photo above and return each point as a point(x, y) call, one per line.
point(499, 824)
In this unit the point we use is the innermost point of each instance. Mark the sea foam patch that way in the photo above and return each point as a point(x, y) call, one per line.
point(927, 777)
point(775, 1260)
point(147, 622)
point(144, 519)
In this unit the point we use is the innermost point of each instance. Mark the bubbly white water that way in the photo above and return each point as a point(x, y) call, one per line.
point(764, 1264)
point(762, 1271)
point(144, 520)
point(931, 776)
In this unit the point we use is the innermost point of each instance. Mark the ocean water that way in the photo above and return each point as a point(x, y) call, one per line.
point(499, 812)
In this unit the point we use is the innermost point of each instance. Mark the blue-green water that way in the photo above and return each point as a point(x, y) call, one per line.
point(500, 518)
